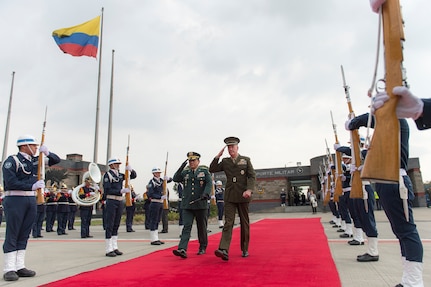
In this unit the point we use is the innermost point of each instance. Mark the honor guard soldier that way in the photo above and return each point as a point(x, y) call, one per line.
point(62, 209)
point(20, 177)
point(113, 189)
point(219, 195)
point(241, 180)
point(197, 183)
point(155, 193)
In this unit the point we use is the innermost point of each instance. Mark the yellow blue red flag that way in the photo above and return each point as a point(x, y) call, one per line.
point(79, 40)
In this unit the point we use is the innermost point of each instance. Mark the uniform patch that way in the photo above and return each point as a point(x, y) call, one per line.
point(242, 162)
point(106, 179)
point(201, 174)
point(7, 165)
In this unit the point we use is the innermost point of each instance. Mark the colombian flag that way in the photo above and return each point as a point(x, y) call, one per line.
point(79, 40)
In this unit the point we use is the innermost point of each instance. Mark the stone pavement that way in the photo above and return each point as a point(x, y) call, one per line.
point(55, 257)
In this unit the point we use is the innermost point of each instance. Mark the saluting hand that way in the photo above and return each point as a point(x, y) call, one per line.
point(221, 152)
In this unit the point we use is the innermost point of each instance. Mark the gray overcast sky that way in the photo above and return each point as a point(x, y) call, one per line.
point(190, 73)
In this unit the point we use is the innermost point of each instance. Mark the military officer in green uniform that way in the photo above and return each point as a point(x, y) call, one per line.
point(197, 183)
point(240, 183)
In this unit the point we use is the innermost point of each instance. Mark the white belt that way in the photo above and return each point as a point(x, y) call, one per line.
point(52, 203)
point(403, 172)
point(346, 189)
point(20, 193)
point(63, 202)
point(116, 197)
point(157, 200)
point(366, 182)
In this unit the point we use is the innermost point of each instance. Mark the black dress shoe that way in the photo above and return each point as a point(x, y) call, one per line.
point(245, 254)
point(24, 272)
point(341, 230)
point(367, 258)
point(345, 235)
point(118, 252)
point(355, 242)
point(10, 276)
point(131, 230)
point(222, 254)
point(336, 226)
point(89, 236)
point(399, 285)
point(180, 252)
point(161, 242)
point(158, 242)
point(163, 231)
point(40, 236)
point(201, 251)
point(111, 254)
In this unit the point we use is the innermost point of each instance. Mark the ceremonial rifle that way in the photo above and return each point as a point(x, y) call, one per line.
point(331, 175)
point(338, 168)
point(127, 176)
point(213, 200)
point(382, 163)
point(165, 192)
point(41, 165)
point(355, 181)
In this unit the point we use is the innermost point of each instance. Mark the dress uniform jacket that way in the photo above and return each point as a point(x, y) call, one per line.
point(196, 184)
point(424, 122)
point(240, 177)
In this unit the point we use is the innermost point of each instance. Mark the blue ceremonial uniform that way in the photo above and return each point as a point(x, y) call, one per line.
point(85, 212)
point(19, 175)
point(62, 212)
point(219, 194)
point(405, 231)
point(112, 186)
point(51, 211)
point(155, 192)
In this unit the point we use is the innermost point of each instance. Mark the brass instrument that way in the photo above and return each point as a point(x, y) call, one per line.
point(95, 176)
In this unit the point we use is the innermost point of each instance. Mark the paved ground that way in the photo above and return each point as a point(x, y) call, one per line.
point(55, 257)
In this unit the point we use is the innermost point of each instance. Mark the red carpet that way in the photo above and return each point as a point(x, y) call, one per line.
point(283, 252)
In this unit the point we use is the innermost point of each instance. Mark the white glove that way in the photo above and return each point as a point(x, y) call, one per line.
point(346, 124)
point(352, 168)
point(212, 196)
point(125, 190)
point(378, 101)
point(408, 106)
point(69, 191)
point(166, 178)
point(343, 178)
point(375, 5)
point(129, 167)
point(92, 193)
point(164, 197)
point(44, 150)
point(336, 146)
point(38, 184)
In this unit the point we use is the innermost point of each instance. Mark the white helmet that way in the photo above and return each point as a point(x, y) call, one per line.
point(114, 160)
point(218, 182)
point(25, 140)
point(156, 169)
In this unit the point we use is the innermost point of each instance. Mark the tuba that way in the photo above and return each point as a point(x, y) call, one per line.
point(94, 175)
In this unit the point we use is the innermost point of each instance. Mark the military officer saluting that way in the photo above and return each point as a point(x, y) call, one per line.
point(240, 183)
point(194, 204)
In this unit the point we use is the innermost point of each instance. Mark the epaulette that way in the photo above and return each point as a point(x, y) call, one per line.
point(203, 167)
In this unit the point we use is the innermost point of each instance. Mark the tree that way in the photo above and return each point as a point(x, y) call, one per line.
point(56, 175)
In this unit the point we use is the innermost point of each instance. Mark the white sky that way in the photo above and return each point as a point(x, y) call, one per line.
point(190, 73)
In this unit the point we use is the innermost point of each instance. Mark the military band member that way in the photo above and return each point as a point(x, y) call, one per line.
point(51, 209)
point(155, 193)
point(113, 190)
point(241, 179)
point(20, 181)
point(62, 209)
point(86, 212)
point(38, 220)
point(72, 212)
point(197, 183)
point(130, 212)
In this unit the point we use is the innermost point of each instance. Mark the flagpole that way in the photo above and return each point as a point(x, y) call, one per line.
point(96, 132)
point(111, 100)
point(6, 133)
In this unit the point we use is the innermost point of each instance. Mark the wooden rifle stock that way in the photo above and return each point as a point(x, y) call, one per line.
point(355, 181)
point(382, 163)
point(326, 186)
point(165, 192)
point(213, 201)
point(338, 167)
point(127, 177)
point(40, 198)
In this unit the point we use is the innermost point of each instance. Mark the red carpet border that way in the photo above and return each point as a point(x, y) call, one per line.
point(283, 252)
